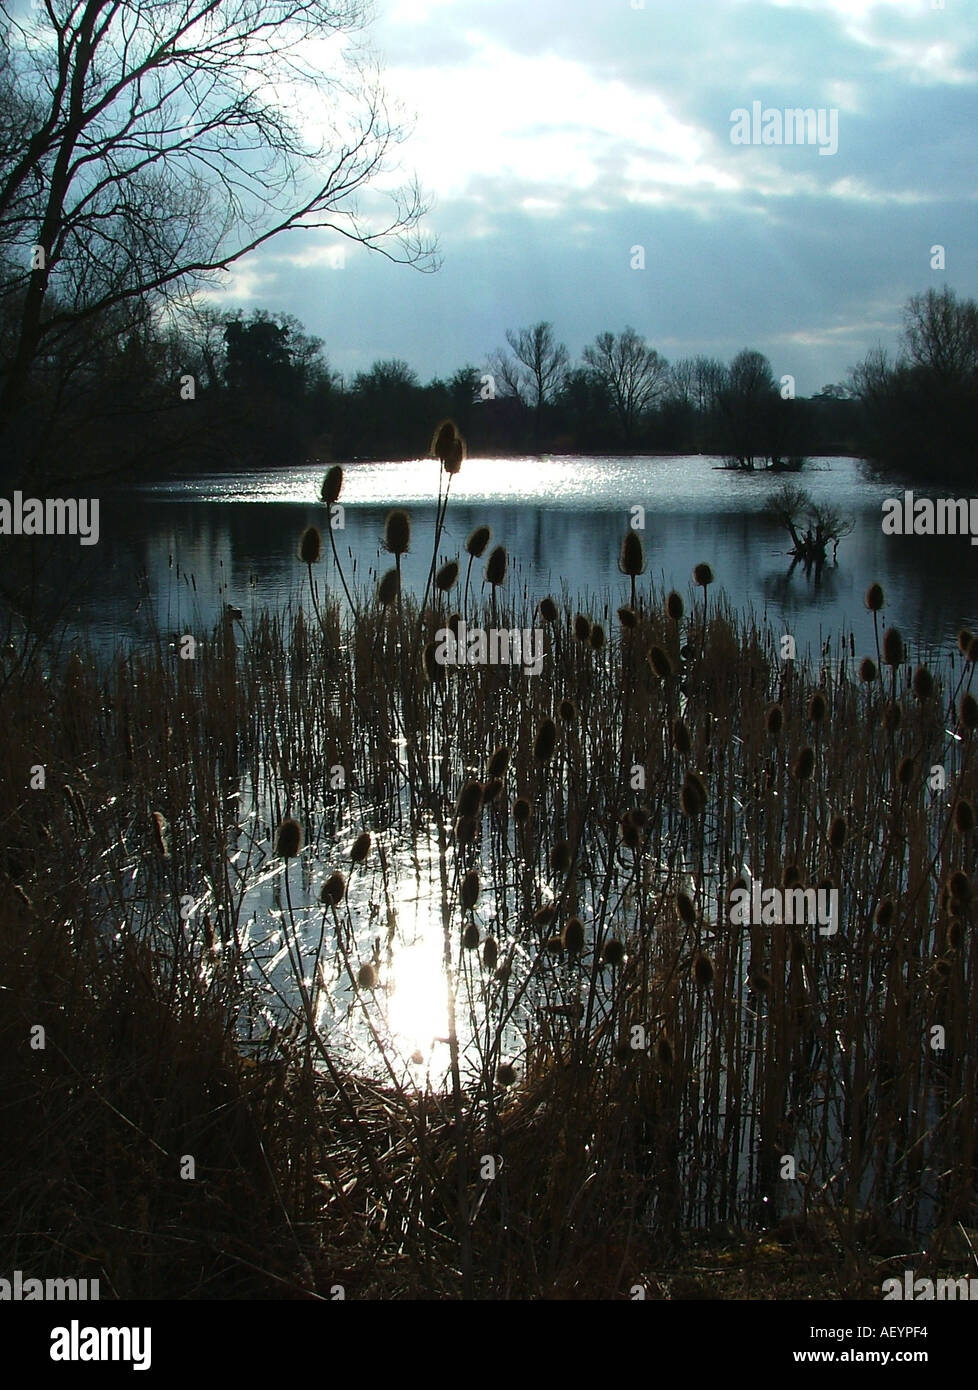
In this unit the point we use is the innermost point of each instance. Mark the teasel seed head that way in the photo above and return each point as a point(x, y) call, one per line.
point(310, 545)
point(790, 876)
point(905, 771)
point(703, 971)
point(838, 832)
point(867, 670)
point(965, 639)
point(817, 707)
point(681, 740)
point(923, 683)
point(631, 558)
point(702, 575)
point(613, 953)
point(959, 885)
point(332, 485)
point(367, 976)
point(567, 711)
point(774, 720)
point(288, 840)
point(660, 663)
point(469, 799)
point(388, 588)
point(548, 610)
point(456, 453)
point(631, 836)
point(573, 936)
point(874, 598)
point(973, 651)
point(443, 439)
point(964, 816)
point(496, 566)
point(499, 762)
point(884, 913)
point(465, 829)
point(477, 541)
point(544, 915)
point(596, 637)
point(675, 606)
point(693, 795)
point(559, 857)
point(664, 1053)
point(628, 617)
point(553, 945)
point(490, 953)
point(522, 810)
point(892, 647)
point(506, 1074)
point(469, 892)
point(686, 909)
point(955, 934)
point(545, 743)
point(582, 627)
point(397, 532)
point(447, 576)
point(361, 847)
point(491, 790)
point(760, 982)
point(968, 711)
point(332, 891)
point(804, 764)
point(470, 937)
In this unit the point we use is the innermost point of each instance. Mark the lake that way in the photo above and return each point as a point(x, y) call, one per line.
point(198, 543)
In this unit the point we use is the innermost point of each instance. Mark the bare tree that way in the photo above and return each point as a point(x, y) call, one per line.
point(941, 334)
point(634, 374)
point(813, 526)
point(147, 144)
point(536, 371)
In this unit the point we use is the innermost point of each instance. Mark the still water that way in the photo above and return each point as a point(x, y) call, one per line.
point(212, 539)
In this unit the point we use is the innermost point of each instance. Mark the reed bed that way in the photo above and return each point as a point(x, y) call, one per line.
point(623, 1063)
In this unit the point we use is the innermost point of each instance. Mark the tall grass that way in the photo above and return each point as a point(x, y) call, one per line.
point(623, 1064)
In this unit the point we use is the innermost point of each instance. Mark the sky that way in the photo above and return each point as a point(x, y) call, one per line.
point(553, 139)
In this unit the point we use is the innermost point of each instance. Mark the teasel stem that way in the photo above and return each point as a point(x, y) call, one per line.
point(439, 523)
point(336, 557)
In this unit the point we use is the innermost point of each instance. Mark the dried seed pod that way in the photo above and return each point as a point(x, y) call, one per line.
point(628, 617)
point(892, 716)
point(332, 891)
point(968, 711)
point(573, 936)
point(469, 799)
point(804, 764)
point(596, 637)
point(774, 720)
point(884, 913)
point(310, 545)
point(522, 810)
point(496, 566)
point(838, 832)
point(702, 575)
point(491, 790)
point(506, 1074)
point(686, 909)
point(893, 651)
point(681, 740)
point(923, 683)
point(490, 953)
point(332, 484)
point(867, 670)
point(545, 743)
point(964, 816)
point(703, 971)
point(470, 937)
point(613, 952)
point(469, 892)
point(544, 915)
point(367, 976)
point(388, 588)
point(905, 771)
point(959, 884)
point(447, 576)
point(477, 542)
point(790, 876)
point(693, 796)
point(548, 610)
point(582, 627)
point(560, 857)
point(397, 532)
point(498, 762)
point(674, 606)
point(660, 663)
point(817, 707)
point(874, 598)
point(567, 711)
point(361, 847)
point(288, 840)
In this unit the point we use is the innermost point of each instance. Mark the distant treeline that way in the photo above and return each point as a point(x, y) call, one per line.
point(216, 391)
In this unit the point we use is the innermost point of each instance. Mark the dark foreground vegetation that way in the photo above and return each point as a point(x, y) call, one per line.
point(637, 1064)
